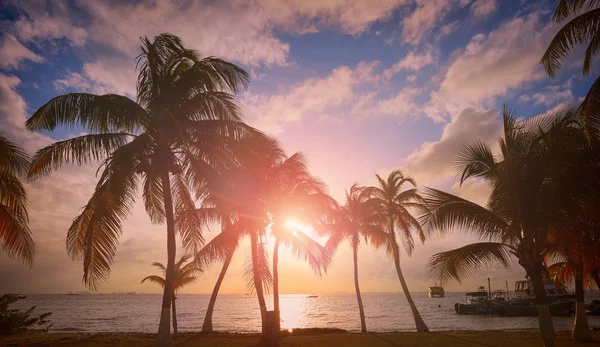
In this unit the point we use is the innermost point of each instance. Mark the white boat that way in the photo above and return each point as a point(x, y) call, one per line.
point(435, 292)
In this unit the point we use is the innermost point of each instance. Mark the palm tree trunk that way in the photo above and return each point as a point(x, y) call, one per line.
point(419, 322)
point(581, 328)
point(258, 282)
point(276, 284)
point(174, 316)
point(164, 329)
point(545, 320)
point(207, 326)
point(361, 310)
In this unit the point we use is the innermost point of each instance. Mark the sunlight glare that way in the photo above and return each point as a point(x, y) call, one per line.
point(296, 226)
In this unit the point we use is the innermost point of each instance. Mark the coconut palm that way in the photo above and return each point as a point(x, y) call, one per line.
point(173, 140)
point(184, 273)
point(296, 194)
point(582, 29)
point(393, 206)
point(537, 181)
point(356, 219)
point(14, 219)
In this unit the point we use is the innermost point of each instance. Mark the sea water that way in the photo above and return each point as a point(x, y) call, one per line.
point(240, 313)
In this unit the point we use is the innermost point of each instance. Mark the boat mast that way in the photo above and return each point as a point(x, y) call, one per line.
point(489, 288)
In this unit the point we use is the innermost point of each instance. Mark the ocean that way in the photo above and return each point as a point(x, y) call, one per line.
point(240, 313)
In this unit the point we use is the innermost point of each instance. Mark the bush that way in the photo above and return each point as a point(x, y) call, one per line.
point(13, 320)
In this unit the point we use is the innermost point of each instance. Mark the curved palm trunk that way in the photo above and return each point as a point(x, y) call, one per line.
point(419, 322)
point(207, 325)
point(276, 284)
point(361, 310)
point(581, 328)
point(164, 329)
point(543, 310)
point(258, 282)
point(174, 316)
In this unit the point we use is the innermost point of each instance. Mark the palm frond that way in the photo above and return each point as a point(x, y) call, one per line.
point(16, 236)
point(13, 159)
point(152, 194)
point(578, 31)
point(590, 110)
point(108, 113)
point(95, 232)
point(447, 212)
point(565, 8)
point(475, 159)
point(154, 279)
point(465, 261)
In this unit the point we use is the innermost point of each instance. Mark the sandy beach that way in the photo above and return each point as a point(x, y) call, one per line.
point(313, 339)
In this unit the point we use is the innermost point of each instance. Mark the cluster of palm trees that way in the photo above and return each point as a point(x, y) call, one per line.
point(184, 143)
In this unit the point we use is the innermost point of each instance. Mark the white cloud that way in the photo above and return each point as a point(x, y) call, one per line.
point(427, 15)
point(550, 96)
point(72, 80)
point(412, 62)
point(449, 28)
point(491, 65)
point(13, 53)
point(482, 8)
point(432, 163)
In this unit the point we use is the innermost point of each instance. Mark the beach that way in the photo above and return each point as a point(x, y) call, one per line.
point(312, 339)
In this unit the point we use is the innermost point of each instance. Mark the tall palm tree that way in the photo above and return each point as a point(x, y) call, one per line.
point(173, 140)
point(296, 194)
point(14, 219)
point(582, 29)
point(184, 273)
point(537, 180)
point(394, 205)
point(355, 219)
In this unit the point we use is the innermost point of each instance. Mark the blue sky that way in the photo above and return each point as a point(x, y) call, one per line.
point(361, 87)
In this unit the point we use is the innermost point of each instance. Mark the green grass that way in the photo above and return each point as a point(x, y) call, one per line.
point(405, 339)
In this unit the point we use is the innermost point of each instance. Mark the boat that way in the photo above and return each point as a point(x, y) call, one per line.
point(560, 301)
point(435, 292)
point(312, 296)
point(481, 302)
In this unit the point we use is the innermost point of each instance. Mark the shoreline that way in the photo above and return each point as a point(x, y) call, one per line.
point(316, 338)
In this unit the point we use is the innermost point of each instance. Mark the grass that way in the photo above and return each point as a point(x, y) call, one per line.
point(315, 339)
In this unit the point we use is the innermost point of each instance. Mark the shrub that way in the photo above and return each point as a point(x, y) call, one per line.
point(13, 320)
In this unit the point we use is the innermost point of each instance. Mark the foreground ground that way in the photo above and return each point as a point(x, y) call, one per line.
point(463, 339)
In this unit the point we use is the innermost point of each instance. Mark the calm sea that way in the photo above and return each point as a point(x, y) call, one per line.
point(240, 313)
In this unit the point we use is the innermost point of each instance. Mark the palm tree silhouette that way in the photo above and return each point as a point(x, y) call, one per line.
point(182, 129)
point(14, 219)
point(183, 274)
point(536, 187)
point(393, 208)
point(355, 219)
point(582, 29)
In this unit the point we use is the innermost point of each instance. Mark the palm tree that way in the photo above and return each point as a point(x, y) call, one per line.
point(14, 219)
point(222, 247)
point(537, 181)
point(296, 194)
point(355, 219)
point(173, 140)
point(183, 274)
point(582, 29)
point(393, 207)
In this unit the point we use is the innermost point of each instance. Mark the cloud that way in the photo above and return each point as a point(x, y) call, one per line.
point(491, 65)
point(550, 96)
point(13, 53)
point(482, 8)
point(427, 15)
point(72, 80)
point(449, 28)
point(432, 163)
point(351, 16)
point(412, 62)
point(313, 98)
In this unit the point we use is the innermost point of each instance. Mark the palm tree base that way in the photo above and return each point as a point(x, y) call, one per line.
point(581, 329)
point(163, 339)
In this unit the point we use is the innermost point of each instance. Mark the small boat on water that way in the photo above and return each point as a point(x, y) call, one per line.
point(498, 302)
point(312, 296)
point(435, 292)
point(481, 301)
point(560, 301)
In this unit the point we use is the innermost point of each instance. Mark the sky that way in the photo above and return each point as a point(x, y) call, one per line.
point(360, 87)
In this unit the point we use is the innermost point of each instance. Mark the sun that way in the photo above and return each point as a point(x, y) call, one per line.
point(294, 225)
